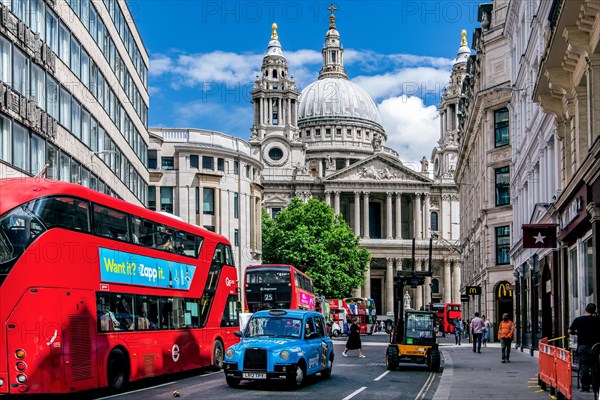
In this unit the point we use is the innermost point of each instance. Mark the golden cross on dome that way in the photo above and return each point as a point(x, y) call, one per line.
point(332, 16)
point(274, 34)
point(463, 42)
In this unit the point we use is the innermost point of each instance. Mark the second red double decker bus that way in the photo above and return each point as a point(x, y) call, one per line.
point(277, 286)
point(98, 292)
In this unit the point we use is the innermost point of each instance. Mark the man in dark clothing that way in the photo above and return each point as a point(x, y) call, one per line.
point(587, 329)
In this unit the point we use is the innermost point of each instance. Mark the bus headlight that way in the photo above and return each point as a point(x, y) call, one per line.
point(21, 378)
point(21, 366)
point(284, 355)
point(1, 382)
point(20, 354)
point(229, 353)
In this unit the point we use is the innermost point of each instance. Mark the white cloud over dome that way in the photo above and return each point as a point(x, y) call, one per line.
point(412, 127)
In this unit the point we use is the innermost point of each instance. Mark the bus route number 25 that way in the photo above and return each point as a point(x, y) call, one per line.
point(268, 297)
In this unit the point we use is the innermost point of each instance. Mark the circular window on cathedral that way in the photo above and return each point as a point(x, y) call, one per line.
point(275, 154)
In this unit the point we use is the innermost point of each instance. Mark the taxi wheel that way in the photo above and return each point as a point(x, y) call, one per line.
point(326, 373)
point(297, 379)
point(233, 382)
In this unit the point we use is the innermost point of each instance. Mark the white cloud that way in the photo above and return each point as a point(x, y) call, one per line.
point(217, 66)
point(412, 128)
point(206, 115)
point(423, 82)
point(159, 65)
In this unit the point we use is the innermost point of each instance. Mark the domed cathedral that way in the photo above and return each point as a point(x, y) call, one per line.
point(329, 143)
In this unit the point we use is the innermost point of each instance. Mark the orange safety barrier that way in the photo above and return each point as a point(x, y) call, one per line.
point(547, 364)
point(564, 378)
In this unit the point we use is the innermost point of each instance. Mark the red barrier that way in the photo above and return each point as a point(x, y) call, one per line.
point(547, 364)
point(564, 378)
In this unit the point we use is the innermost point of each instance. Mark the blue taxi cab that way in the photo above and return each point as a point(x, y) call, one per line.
point(280, 345)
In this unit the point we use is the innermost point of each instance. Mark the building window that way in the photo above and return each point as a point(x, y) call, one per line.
point(152, 159)
point(194, 162)
point(327, 131)
point(338, 131)
point(501, 127)
point(502, 245)
point(236, 205)
point(197, 199)
point(207, 162)
point(435, 286)
point(502, 186)
point(276, 154)
point(236, 167)
point(152, 198)
point(434, 221)
point(167, 163)
point(220, 164)
point(275, 211)
point(166, 199)
point(208, 201)
point(308, 133)
point(236, 237)
point(317, 132)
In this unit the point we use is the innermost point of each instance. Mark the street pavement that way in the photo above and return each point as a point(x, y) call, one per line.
point(469, 375)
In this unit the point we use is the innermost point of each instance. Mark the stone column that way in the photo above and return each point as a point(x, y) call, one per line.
point(389, 287)
point(218, 218)
point(398, 215)
point(456, 282)
point(426, 218)
point(367, 292)
point(357, 213)
point(328, 198)
point(417, 217)
point(427, 291)
point(366, 215)
point(336, 202)
point(388, 212)
point(419, 290)
point(447, 282)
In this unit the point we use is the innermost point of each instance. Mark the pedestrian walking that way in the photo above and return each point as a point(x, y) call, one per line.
point(506, 333)
point(486, 331)
point(353, 342)
point(458, 330)
point(477, 332)
point(587, 329)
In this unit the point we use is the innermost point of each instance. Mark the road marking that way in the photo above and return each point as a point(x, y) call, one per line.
point(136, 391)
point(425, 387)
point(351, 395)
point(531, 387)
point(381, 376)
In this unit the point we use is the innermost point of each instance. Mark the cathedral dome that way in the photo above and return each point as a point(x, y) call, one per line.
point(337, 98)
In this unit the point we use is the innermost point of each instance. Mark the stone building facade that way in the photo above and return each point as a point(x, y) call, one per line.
point(328, 143)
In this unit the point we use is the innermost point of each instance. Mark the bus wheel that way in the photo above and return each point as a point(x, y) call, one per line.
point(117, 370)
point(217, 356)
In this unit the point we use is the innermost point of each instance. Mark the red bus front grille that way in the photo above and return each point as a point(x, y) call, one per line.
point(80, 347)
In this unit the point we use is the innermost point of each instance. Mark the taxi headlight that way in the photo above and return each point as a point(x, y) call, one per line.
point(229, 353)
point(284, 355)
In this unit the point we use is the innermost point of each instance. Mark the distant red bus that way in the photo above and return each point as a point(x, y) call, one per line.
point(98, 292)
point(339, 313)
point(446, 314)
point(277, 286)
point(363, 309)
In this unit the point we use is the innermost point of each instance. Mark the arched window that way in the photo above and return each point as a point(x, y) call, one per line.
point(275, 73)
point(434, 221)
point(435, 286)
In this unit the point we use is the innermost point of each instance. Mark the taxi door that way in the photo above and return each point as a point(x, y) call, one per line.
point(313, 347)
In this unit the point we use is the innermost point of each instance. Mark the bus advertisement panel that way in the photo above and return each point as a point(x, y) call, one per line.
point(98, 292)
point(363, 309)
point(270, 286)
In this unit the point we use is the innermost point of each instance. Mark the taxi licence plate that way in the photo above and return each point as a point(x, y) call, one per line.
point(254, 375)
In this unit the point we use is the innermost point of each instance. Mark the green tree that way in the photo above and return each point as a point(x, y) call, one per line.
point(310, 237)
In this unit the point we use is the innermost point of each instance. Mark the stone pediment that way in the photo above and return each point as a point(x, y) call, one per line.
point(377, 168)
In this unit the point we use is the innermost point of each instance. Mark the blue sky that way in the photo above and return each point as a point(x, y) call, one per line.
point(204, 56)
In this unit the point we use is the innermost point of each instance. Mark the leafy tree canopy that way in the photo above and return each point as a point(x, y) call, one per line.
point(310, 237)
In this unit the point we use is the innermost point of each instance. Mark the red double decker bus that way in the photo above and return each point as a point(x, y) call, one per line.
point(446, 314)
point(98, 292)
point(277, 286)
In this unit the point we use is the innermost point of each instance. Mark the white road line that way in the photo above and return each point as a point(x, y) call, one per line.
point(426, 386)
point(351, 395)
point(381, 376)
point(135, 391)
